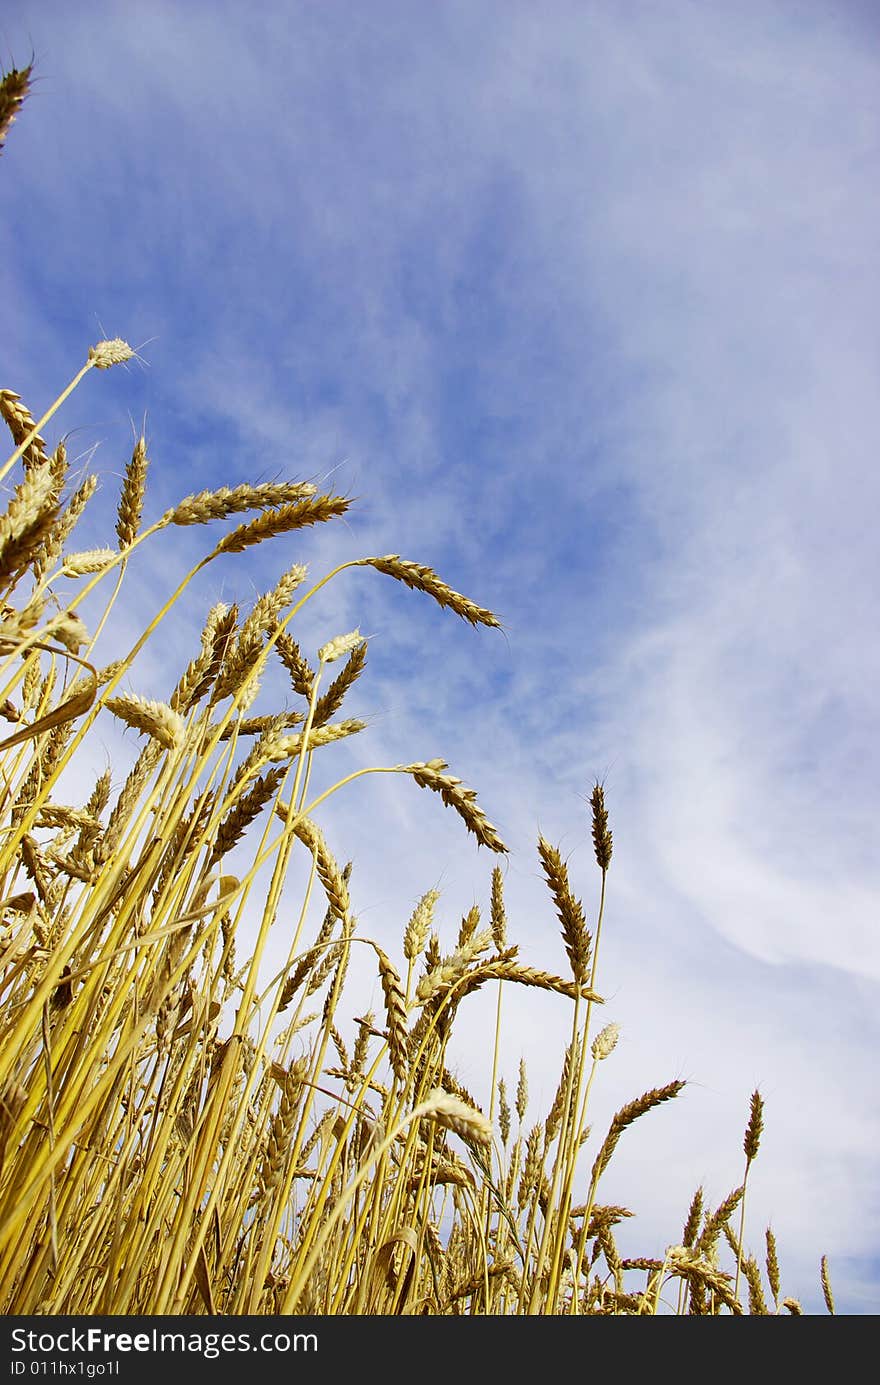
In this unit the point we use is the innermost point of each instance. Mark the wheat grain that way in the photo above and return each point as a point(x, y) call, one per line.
point(301, 675)
point(531, 1166)
point(106, 354)
point(497, 914)
point(154, 718)
point(717, 1219)
point(202, 671)
point(602, 842)
point(333, 880)
point(692, 1222)
point(421, 578)
point(605, 1041)
point(70, 517)
point(419, 925)
point(454, 1114)
point(522, 1092)
point(283, 520)
point(686, 1262)
point(826, 1285)
point(503, 1112)
point(752, 1138)
point(131, 499)
point(469, 925)
point(328, 703)
point(243, 813)
point(570, 910)
point(21, 425)
point(219, 504)
point(278, 747)
point(340, 645)
point(29, 518)
point(757, 1302)
point(625, 1117)
point(88, 561)
point(395, 1013)
point(430, 775)
point(772, 1265)
point(452, 968)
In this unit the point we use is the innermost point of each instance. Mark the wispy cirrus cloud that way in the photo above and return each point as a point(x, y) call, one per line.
point(583, 311)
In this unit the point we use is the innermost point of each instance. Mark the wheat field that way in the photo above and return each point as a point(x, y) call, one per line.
point(186, 1131)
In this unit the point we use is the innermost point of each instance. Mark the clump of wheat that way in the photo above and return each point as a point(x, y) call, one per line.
point(188, 1127)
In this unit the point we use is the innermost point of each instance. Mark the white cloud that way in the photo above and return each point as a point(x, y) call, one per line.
point(587, 311)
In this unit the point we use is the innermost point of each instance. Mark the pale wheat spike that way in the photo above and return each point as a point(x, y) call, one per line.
point(106, 354)
point(14, 88)
point(68, 629)
point(605, 1041)
point(129, 794)
point(522, 1092)
point(453, 968)
point(430, 775)
point(503, 1112)
point(59, 815)
point(339, 646)
point(219, 504)
point(421, 578)
point(201, 671)
point(328, 703)
point(454, 1114)
point(243, 653)
point(361, 1046)
point(419, 925)
point(90, 560)
point(131, 499)
point(156, 719)
point(279, 1142)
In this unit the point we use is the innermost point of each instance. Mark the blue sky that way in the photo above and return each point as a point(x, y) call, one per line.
point(579, 301)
